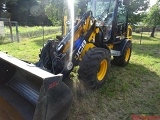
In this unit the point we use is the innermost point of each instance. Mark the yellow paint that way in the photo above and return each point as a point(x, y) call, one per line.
point(110, 46)
point(129, 32)
point(67, 46)
point(65, 25)
point(82, 30)
point(102, 70)
point(127, 54)
point(86, 48)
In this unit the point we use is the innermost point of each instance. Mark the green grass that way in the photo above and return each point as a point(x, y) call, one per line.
point(131, 89)
point(28, 48)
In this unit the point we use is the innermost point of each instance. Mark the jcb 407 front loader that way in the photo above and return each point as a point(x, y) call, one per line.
point(101, 32)
point(28, 92)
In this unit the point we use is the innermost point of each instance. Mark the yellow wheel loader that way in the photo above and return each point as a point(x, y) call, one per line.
point(30, 91)
point(102, 33)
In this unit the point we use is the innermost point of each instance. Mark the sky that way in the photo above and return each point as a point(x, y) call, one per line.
point(152, 2)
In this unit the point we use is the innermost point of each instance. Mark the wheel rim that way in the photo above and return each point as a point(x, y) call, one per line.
point(127, 54)
point(102, 70)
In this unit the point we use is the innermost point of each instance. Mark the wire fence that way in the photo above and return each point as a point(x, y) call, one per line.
point(140, 29)
point(10, 31)
point(37, 31)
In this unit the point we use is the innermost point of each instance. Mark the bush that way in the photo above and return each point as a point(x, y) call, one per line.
point(138, 31)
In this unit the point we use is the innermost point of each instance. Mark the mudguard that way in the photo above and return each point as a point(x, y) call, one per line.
point(120, 46)
point(45, 92)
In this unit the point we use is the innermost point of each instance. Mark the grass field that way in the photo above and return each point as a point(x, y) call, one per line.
point(29, 46)
point(134, 89)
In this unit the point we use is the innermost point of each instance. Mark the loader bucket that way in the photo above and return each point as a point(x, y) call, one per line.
point(30, 93)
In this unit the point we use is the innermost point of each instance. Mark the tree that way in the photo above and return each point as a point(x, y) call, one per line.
point(55, 10)
point(25, 12)
point(153, 17)
point(7, 1)
point(4, 8)
point(82, 5)
point(136, 10)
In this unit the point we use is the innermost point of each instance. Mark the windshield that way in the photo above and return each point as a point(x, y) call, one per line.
point(101, 8)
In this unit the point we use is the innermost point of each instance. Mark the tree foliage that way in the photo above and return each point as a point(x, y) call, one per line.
point(39, 11)
point(153, 17)
point(136, 10)
point(26, 12)
point(82, 5)
point(4, 8)
point(8, 1)
point(55, 10)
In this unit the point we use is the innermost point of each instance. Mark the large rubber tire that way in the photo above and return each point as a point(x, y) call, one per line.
point(94, 67)
point(123, 60)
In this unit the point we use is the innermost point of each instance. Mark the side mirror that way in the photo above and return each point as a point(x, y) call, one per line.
point(126, 2)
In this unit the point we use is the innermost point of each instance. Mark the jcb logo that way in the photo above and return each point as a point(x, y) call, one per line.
point(80, 49)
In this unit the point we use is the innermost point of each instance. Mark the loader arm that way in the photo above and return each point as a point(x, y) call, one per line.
point(80, 29)
point(61, 61)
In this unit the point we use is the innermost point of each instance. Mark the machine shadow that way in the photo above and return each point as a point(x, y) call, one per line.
point(122, 85)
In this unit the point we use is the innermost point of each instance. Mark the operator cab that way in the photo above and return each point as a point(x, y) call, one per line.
point(111, 18)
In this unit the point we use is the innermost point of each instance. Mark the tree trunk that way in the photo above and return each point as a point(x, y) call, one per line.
point(153, 31)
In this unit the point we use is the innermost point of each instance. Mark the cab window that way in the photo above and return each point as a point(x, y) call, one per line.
point(121, 15)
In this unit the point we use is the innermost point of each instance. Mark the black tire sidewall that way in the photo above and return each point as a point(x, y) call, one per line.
point(90, 65)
